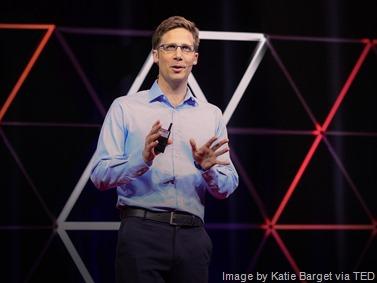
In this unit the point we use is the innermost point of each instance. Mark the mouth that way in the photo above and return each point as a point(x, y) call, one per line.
point(177, 68)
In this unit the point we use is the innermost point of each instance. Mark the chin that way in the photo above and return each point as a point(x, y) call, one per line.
point(179, 77)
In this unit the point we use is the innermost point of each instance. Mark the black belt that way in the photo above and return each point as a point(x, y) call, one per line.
point(175, 218)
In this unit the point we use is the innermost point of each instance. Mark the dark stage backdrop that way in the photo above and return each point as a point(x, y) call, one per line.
point(297, 85)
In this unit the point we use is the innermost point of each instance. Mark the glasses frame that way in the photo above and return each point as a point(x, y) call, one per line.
point(182, 46)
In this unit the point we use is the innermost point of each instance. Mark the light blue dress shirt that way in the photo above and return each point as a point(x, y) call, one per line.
point(171, 181)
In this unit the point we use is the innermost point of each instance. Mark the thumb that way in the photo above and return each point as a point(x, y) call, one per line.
point(193, 145)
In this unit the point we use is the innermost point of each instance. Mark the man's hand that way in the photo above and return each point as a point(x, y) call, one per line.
point(151, 140)
point(206, 156)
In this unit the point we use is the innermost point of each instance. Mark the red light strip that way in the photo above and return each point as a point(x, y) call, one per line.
point(250, 186)
point(285, 251)
point(322, 129)
point(296, 179)
point(26, 26)
point(259, 250)
point(327, 227)
point(365, 250)
point(349, 180)
point(347, 85)
point(33, 59)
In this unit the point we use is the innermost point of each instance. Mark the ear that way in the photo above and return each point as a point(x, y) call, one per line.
point(155, 56)
point(196, 58)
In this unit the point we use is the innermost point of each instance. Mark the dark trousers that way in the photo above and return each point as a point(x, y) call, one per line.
point(153, 252)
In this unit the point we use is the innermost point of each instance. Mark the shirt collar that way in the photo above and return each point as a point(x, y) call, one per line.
point(156, 94)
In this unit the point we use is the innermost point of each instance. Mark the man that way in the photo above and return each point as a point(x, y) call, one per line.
point(161, 192)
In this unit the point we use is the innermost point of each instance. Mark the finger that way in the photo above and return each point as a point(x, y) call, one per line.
point(193, 145)
point(220, 144)
point(155, 127)
point(154, 152)
point(170, 141)
point(151, 145)
point(210, 141)
point(221, 152)
point(156, 123)
point(222, 162)
point(152, 137)
point(153, 131)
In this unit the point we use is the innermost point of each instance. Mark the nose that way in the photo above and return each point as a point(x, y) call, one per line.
point(178, 53)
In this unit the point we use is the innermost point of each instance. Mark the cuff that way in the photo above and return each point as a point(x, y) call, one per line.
point(200, 168)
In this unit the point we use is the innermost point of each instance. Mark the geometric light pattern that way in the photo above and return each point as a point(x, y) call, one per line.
point(272, 225)
point(63, 225)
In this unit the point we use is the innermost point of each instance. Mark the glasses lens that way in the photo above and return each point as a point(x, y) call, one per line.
point(172, 47)
point(187, 48)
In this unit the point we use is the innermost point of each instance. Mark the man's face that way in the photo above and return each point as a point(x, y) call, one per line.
point(175, 65)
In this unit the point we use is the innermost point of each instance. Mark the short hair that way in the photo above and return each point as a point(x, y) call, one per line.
point(173, 23)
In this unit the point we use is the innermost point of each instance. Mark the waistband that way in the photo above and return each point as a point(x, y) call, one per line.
point(175, 218)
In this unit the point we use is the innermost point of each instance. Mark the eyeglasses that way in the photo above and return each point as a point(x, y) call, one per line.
point(172, 47)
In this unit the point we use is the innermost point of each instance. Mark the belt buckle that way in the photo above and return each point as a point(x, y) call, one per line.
point(171, 222)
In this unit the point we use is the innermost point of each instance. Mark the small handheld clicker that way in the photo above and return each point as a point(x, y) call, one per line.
point(163, 139)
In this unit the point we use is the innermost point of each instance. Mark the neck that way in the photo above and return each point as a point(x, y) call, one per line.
point(174, 92)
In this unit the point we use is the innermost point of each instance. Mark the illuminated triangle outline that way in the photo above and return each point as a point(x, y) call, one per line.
point(63, 226)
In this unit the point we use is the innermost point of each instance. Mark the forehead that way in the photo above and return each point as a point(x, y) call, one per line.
point(178, 35)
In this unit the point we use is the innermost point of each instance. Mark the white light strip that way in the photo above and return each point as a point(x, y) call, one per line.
point(75, 194)
point(196, 88)
point(250, 71)
point(75, 256)
point(229, 36)
point(142, 75)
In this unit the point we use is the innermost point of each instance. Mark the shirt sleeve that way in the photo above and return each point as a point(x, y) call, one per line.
point(221, 180)
point(110, 165)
